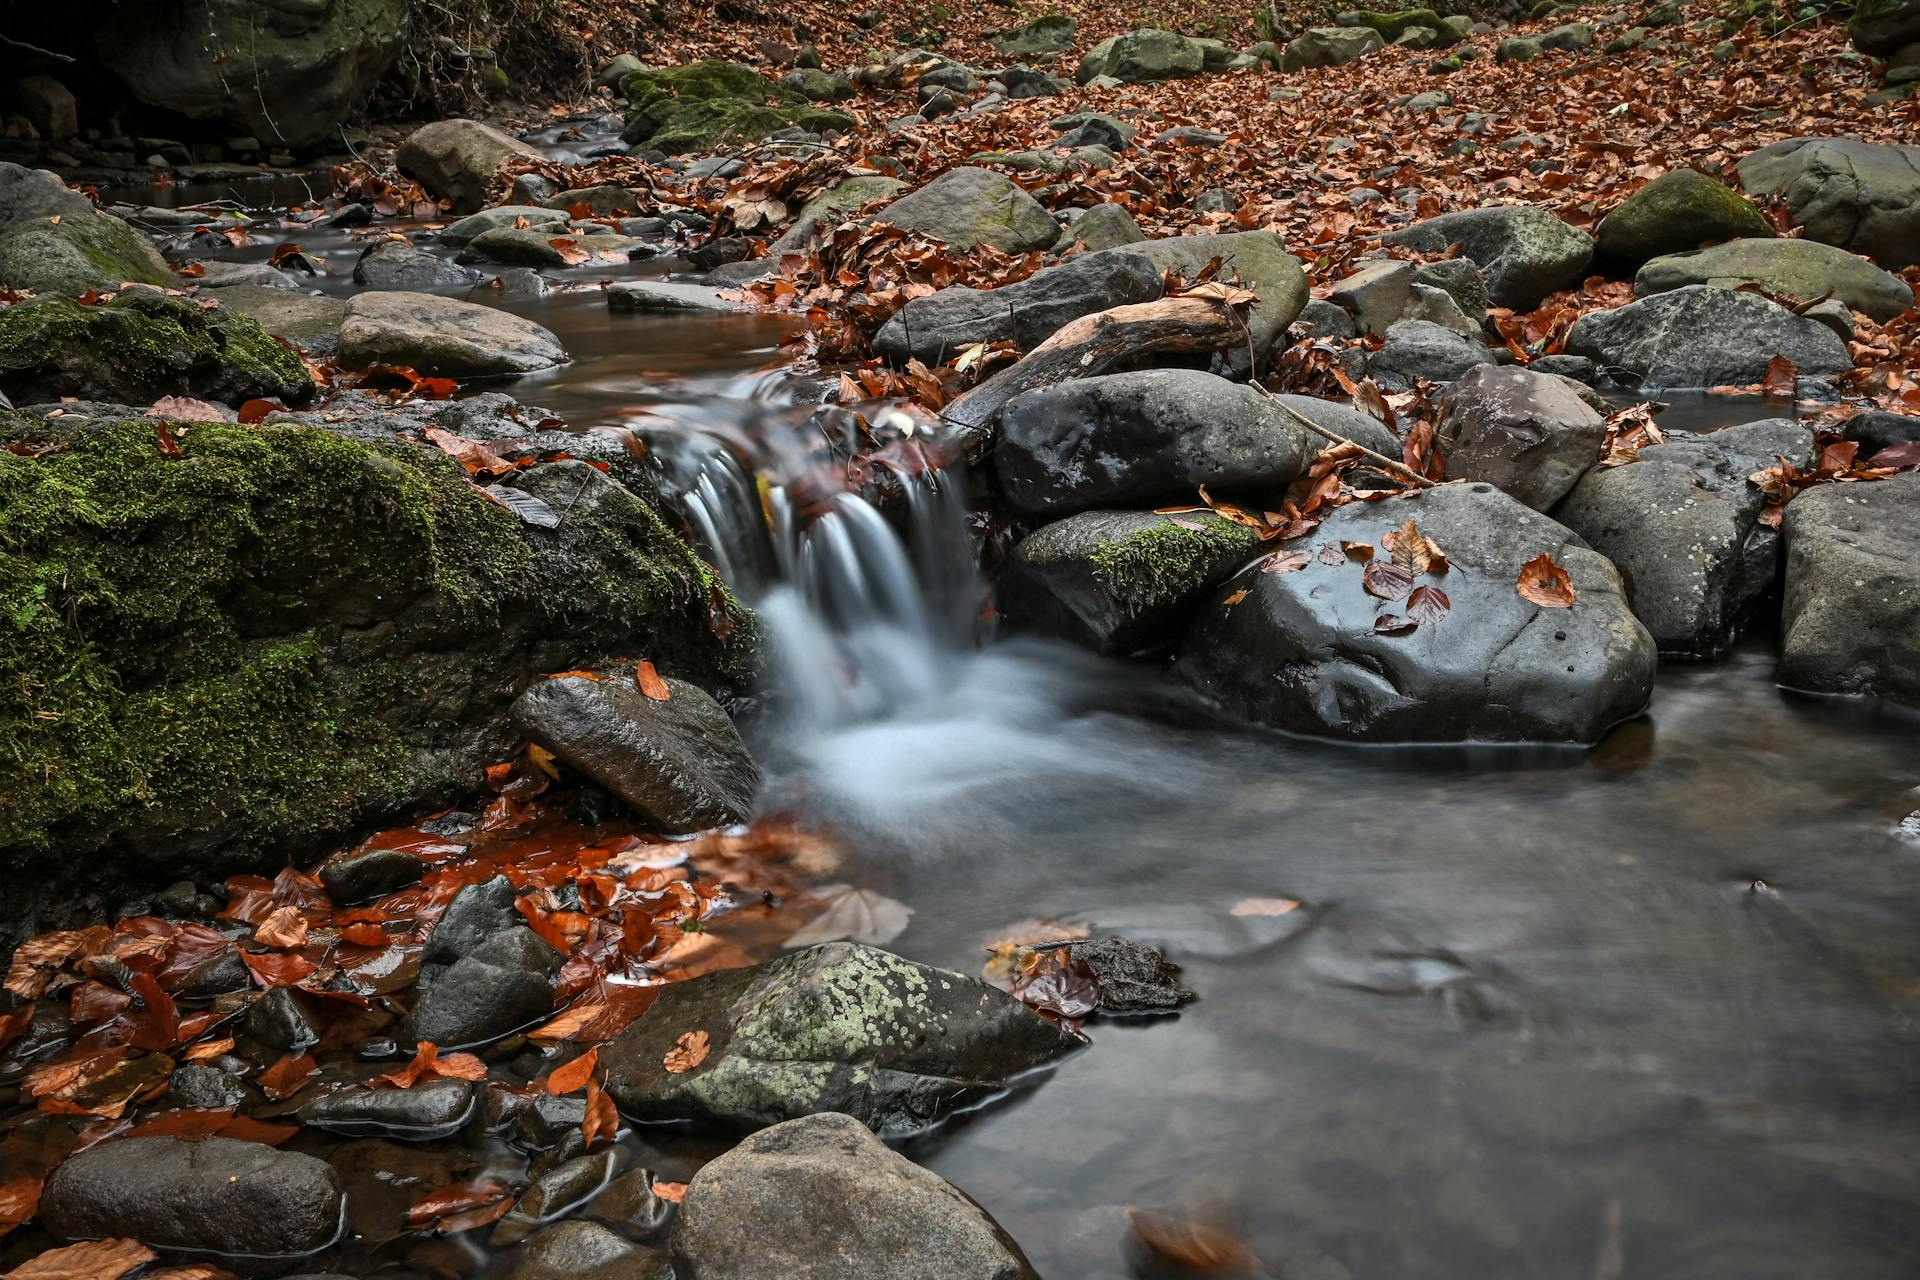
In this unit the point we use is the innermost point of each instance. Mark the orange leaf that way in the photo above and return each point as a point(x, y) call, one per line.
point(460, 1206)
point(1264, 906)
point(1545, 583)
point(650, 683)
point(688, 1052)
point(674, 1191)
point(574, 1075)
point(285, 928)
point(1781, 380)
point(91, 1260)
point(284, 1078)
point(602, 1120)
point(19, 1199)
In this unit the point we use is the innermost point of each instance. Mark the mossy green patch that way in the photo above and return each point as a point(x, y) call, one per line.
point(77, 254)
point(1161, 563)
point(1392, 26)
point(712, 103)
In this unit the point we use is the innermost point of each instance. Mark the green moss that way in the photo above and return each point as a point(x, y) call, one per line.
point(1159, 564)
point(1392, 26)
point(711, 104)
point(77, 254)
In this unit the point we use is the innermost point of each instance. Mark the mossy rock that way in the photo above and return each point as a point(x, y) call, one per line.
point(1392, 26)
point(234, 657)
point(712, 104)
point(1678, 211)
point(139, 347)
point(1048, 33)
point(78, 253)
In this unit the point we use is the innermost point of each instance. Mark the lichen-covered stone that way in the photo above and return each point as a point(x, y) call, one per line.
point(965, 207)
point(1679, 210)
point(1859, 195)
point(139, 347)
point(1804, 269)
point(1048, 33)
point(1701, 336)
point(837, 1027)
point(1392, 26)
point(1141, 57)
point(1525, 253)
point(455, 159)
point(1850, 622)
point(1328, 47)
point(712, 103)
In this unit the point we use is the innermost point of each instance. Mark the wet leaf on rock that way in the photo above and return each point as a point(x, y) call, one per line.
point(1392, 624)
point(650, 682)
point(574, 1075)
point(1288, 561)
point(853, 914)
point(1545, 583)
point(90, 1260)
point(1234, 599)
point(1428, 604)
point(529, 507)
point(284, 1078)
point(429, 1063)
point(1387, 580)
point(689, 1051)
point(602, 1120)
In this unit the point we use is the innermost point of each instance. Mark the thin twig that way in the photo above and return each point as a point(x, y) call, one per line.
point(1398, 468)
point(34, 48)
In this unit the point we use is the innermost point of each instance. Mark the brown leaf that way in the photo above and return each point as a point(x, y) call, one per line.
point(1234, 599)
point(1545, 583)
point(284, 1078)
point(1781, 380)
point(1287, 562)
point(1408, 546)
point(1191, 1243)
point(574, 1075)
point(1392, 624)
point(674, 1191)
point(688, 1052)
point(19, 1200)
point(1387, 580)
point(602, 1120)
point(459, 1206)
point(1428, 604)
point(286, 928)
point(649, 682)
point(1361, 551)
point(91, 1260)
point(569, 250)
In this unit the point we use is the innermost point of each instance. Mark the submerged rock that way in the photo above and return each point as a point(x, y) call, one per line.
point(678, 762)
point(363, 874)
point(217, 1195)
point(1857, 195)
point(837, 1027)
point(427, 1111)
point(1524, 253)
point(1851, 618)
point(587, 1251)
point(935, 328)
point(965, 207)
point(820, 1198)
point(401, 266)
point(1303, 650)
point(442, 336)
point(555, 1193)
point(1133, 977)
point(477, 913)
point(504, 984)
point(1700, 336)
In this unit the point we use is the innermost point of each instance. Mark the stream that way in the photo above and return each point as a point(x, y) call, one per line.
point(1649, 1010)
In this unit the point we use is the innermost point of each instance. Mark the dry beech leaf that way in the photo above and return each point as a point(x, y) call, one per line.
point(1428, 604)
point(574, 1075)
point(853, 915)
point(285, 928)
point(674, 1191)
point(602, 1119)
point(689, 1051)
point(1288, 561)
point(649, 682)
point(1264, 906)
point(91, 1260)
point(1387, 580)
point(1545, 583)
point(1234, 599)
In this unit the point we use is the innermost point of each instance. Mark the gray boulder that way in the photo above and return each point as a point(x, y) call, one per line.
point(849, 194)
point(401, 266)
point(217, 1195)
point(462, 233)
point(310, 321)
point(1858, 195)
point(1142, 57)
point(1302, 650)
point(1461, 280)
point(501, 986)
point(1699, 336)
point(1679, 210)
point(1420, 350)
point(1682, 526)
point(1119, 582)
point(1024, 82)
point(1850, 620)
point(817, 85)
point(837, 1027)
point(1804, 269)
point(1256, 260)
point(1381, 294)
point(1525, 433)
point(1884, 26)
point(548, 247)
point(679, 763)
point(966, 207)
point(934, 328)
point(576, 1250)
point(820, 1198)
point(1127, 439)
point(670, 297)
point(1524, 253)
point(1329, 47)
point(1105, 226)
point(442, 336)
point(1048, 33)
point(1876, 431)
point(84, 250)
point(287, 74)
point(455, 159)
point(477, 913)
point(426, 1112)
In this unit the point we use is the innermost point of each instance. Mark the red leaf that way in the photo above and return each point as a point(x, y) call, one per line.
point(1781, 380)
point(169, 447)
point(19, 1198)
point(277, 968)
point(254, 412)
point(460, 1206)
point(1387, 580)
point(650, 683)
point(91, 1260)
point(284, 1078)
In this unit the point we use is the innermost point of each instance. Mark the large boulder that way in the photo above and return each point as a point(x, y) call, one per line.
point(1305, 650)
point(820, 1198)
point(1142, 57)
point(443, 337)
point(968, 206)
point(1804, 269)
point(139, 347)
point(214, 1196)
point(1392, 26)
point(52, 240)
point(713, 103)
point(1255, 260)
point(1682, 524)
point(1679, 210)
point(1048, 33)
point(677, 761)
point(455, 160)
point(934, 328)
point(1850, 621)
point(849, 194)
point(1524, 253)
point(575, 1250)
point(1119, 582)
point(1858, 195)
point(501, 986)
point(1422, 351)
point(1885, 26)
point(1699, 336)
point(310, 321)
point(232, 656)
point(287, 72)
point(1328, 47)
point(836, 1027)
point(1129, 439)
point(401, 266)
point(1525, 433)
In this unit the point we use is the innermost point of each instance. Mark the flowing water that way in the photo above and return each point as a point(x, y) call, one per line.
point(1650, 1010)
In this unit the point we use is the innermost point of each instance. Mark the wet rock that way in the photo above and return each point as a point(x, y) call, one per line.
point(1876, 431)
point(1329, 47)
point(933, 329)
point(608, 200)
point(1119, 582)
point(1257, 260)
point(1523, 432)
point(1024, 82)
point(464, 232)
point(819, 1198)
point(1382, 294)
point(288, 74)
point(630, 1206)
point(361, 875)
point(220, 275)
point(1857, 195)
point(442, 336)
point(670, 297)
point(139, 347)
point(1127, 438)
point(1133, 977)
point(1048, 33)
point(309, 321)
point(1524, 253)
point(837, 1027)
point(276, 1020)
point(1421, 349)
point(1301, 650)
point(587, 1251)
point(201, 1087)
point(1142, 57)
point(1682, 525)
point(502, 985)
point(1459, 279)
point(222, 975)
point(1850, 622)
point(1322, 319)
point(555, 1193)
point(1677, 211)
point(455, 159)
point(1700, 336)
point(679, 763)
point(431, 1110)
point(547, 1121)
point(477, 913)
point(965, 207)
point(216, 1195)
point(401, 266)
point(536, 247)
point(1804, 269)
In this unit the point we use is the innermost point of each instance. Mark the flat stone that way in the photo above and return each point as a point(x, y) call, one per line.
point(442, 336)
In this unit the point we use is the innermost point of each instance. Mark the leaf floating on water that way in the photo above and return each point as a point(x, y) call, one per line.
point(1234, 599)
point(574, 1075)
point(853, 915)
point(689, 1051)
point(1264, 906)
point(284, 1078)
point(1545, 583)
point(649, 682)
point(1428, 604)
point(1190, 1242)
point(92, 1260)
point(529, 508)
point(460, 1206)
point(1387, 580)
